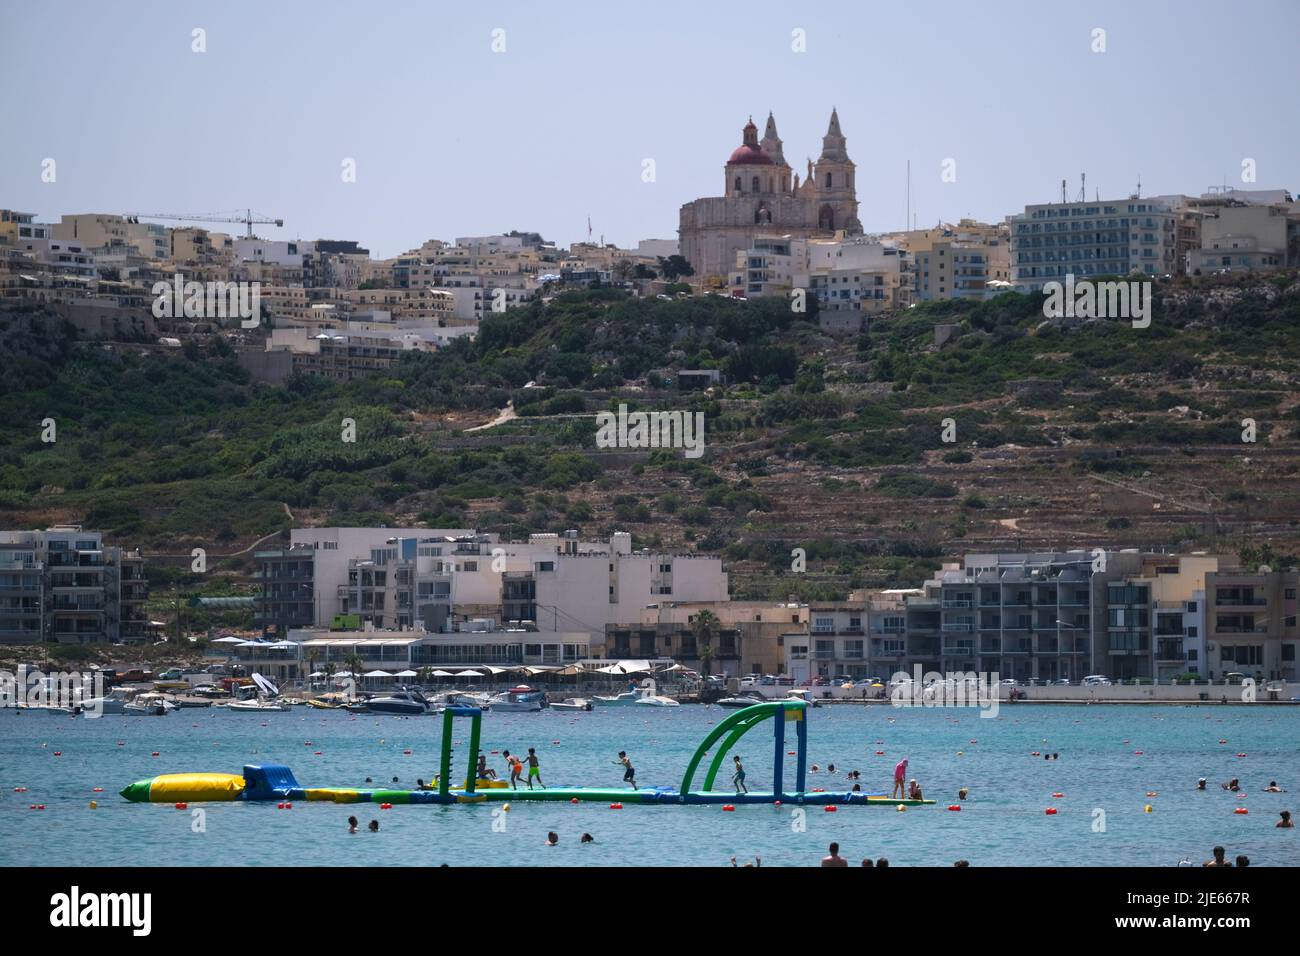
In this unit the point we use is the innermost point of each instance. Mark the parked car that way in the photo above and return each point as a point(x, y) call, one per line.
point(1062, 682)
point(173, 673)
point(1096, 680)
point(1234, 677)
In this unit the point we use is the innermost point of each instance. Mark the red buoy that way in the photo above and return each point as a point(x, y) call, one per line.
point(1242, 810)
point(616, 806)
point(830, 809)
point(1050, 811)
point(955, 807)
point(728, 807)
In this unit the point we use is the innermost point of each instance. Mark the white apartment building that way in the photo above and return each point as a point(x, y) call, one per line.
point(1091, 238)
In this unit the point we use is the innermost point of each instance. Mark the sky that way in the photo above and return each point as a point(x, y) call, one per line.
point(451, 138)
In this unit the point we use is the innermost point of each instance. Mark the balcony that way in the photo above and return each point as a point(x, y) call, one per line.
point(963, 627)
point(962, 649)
point(1241, 602)
point(957, 603)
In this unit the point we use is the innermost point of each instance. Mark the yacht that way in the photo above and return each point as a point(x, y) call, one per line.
point(573, 703)
point(745, 699)
point(403, 702)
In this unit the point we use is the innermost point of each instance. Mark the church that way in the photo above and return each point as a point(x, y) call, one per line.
point(762, 196)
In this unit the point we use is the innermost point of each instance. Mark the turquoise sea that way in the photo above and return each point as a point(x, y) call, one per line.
point(1103, 779)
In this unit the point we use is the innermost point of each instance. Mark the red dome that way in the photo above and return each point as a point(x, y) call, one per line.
point(750, 156)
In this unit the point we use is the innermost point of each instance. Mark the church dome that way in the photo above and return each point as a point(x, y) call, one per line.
point(749, 156)
point(749, 153)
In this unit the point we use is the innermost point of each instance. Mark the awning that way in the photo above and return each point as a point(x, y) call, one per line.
point(467, 673)
point(443, 674)
point(229, 640)
point(377, 674)
point(407, 673)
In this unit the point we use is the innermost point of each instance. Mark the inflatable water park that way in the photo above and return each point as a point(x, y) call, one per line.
point(276, 782)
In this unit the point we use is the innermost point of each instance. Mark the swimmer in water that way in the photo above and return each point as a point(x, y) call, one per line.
point(374, 826)
point(1273, 787)
point(962, 793)
point(1285, 823)
point(352, 824)
point(1232, 785)
point(552, 838)
point(1200, 784)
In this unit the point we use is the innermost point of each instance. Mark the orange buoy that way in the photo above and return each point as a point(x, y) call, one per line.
point(182, 806)
point(1242, 810)
point(616, 806)
point(573, 799)
point(728, 807)
point(776, 803)
point(1058, 794)
point(278, 806)
point(97, 790)
point(94, 805)
point(1050, 811)
point(830, 808)
point(955, 807)
point(385, 806)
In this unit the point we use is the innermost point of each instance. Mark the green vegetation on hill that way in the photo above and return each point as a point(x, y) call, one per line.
point(176, 449)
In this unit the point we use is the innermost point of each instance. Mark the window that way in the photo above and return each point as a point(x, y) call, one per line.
point(1290, 594)
point(469, 566)
point(828, 180)
point(755, 185)
point(739, 188)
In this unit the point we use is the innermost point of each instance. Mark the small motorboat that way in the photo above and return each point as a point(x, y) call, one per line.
point(747, 699)
point(618, 700)
point(573, 703)
point(523, 699)
point(656, 700)
point(146, 705)
point(257, 705)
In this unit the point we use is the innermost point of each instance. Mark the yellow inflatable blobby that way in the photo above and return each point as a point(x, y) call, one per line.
point(195, 787)
point(334, 794)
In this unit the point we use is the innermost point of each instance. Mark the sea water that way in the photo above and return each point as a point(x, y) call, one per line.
point(1110, 758)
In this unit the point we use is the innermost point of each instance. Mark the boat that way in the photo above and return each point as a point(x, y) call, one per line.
point(193, 701)
point(746, 699)
point(257, 705)
point(573, 703)
point(519, 699)
point(618, 700)
point(656, 700)
point(403, 702)
point(146, 705)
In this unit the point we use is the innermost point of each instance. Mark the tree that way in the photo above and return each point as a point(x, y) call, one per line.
point(705, 626)
point(623, 270)
point(675, 266)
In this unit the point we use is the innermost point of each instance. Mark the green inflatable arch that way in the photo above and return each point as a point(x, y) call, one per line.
point(740, 723)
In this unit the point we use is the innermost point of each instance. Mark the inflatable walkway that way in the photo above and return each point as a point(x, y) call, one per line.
point(275, 782)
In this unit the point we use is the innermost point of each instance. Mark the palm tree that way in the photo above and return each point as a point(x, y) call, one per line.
point(311, 666)
point(356, 665)
point(705, 626)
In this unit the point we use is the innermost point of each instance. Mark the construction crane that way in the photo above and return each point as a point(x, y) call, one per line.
point(247, 219)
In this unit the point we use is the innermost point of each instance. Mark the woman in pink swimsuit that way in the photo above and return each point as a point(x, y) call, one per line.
point(900, 779)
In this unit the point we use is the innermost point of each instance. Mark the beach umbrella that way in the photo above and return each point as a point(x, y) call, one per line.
point(407, 673)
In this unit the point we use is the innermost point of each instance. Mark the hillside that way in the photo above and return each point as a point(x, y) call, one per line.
point(1067, 434)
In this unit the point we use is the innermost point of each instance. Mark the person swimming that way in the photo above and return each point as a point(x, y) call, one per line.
point(1232, 785)
point(1285, 823)
point(834, 858)
point(374, 826)
point(1200, 784)
point(962, 793)
point(352, 824)
point(552, 838)
point(1218, 860)
point(1273, 787)
point(587, 838)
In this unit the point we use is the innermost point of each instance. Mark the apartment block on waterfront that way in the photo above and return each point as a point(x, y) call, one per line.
point(63, 584)
point(1251, 624)
point(439, 579)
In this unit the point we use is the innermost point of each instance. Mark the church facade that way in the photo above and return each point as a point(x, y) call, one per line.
point(762, 195)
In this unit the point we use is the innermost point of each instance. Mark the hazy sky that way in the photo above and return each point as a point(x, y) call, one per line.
point(452, 139)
